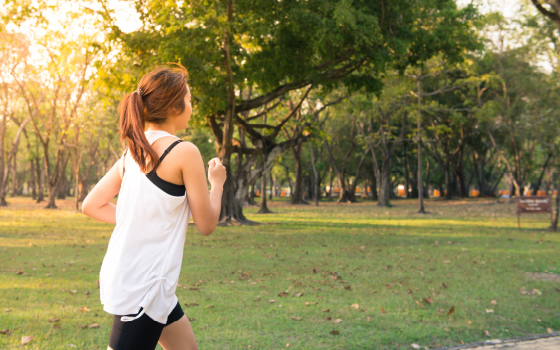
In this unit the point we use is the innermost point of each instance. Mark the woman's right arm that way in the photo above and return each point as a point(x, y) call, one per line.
point(205, 206)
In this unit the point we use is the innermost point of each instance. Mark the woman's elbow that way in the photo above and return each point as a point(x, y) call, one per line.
point(86, 207)
point(206, 230)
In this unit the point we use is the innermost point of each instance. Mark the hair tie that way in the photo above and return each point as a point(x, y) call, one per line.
point(139, 91)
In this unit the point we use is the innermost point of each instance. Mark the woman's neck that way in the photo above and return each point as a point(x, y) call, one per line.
point(162, 127)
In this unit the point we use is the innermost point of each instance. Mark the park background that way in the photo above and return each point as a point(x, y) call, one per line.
point(373, 149)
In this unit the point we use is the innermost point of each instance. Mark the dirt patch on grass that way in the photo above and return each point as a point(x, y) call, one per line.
point(544, 276)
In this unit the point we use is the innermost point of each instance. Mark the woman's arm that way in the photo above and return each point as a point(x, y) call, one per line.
point(97, 203)
point(205, 206)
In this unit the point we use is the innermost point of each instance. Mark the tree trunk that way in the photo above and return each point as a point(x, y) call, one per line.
point(554, 226)
point(3, 123)
point(40, 173)
point(250, 199)
point(412, 180)
point(82, 187)
point(428, 173)
point(330, 192)
point(406, 175)
point(272, 186)
point(538, 184)
point(373, 187)
point(264, 208)
point(53, 190)
point(297, 195)
point(32, 180)
point(62, 188)
point(384, 197)
point(317, 185)
point(15, 179)
point(447, 174)
point(420, 181)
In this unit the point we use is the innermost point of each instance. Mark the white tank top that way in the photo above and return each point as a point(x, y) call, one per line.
point(143, 260)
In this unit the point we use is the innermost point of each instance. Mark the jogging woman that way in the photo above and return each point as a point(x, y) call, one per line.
point(160, 181)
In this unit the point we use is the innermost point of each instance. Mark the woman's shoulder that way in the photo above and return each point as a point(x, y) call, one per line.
point(187, 147)
point(187, 150)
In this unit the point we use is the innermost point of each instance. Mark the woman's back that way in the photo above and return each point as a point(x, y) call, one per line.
point(143, 260)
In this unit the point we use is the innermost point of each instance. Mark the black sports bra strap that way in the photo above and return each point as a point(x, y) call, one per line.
point(124, 157)
point(169, 149)
point(165, 153)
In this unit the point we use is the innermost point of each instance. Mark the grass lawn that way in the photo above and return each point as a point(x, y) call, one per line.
point(348, 276)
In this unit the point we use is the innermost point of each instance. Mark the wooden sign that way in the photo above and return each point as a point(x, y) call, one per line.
point(533, 205)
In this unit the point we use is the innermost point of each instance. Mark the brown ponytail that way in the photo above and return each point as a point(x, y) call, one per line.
point(160, 94)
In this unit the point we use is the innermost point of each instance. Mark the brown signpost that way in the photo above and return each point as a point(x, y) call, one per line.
point(533, 205)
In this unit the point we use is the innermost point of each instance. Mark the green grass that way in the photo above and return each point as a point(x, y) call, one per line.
point(463, 254)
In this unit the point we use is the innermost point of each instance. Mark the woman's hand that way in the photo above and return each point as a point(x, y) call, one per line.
point(216, 172)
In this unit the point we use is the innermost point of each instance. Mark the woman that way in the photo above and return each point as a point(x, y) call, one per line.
point(160, 181)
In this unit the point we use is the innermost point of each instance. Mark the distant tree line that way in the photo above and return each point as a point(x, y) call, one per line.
point(312, 96)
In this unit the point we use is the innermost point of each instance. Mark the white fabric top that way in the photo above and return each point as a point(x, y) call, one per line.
point(143, 260)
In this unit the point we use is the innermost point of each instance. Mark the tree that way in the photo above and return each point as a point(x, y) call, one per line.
point(239, 46)
point(550, 9)
point(14, 48)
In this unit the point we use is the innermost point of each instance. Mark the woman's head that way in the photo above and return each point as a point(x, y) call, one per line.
point(161, 94)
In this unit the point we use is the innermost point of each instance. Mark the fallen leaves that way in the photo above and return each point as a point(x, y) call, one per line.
point(451, 311)
point(548, 330)
point(415, 346)
point(355, 306)
point(54, 319)
point(524, 291)
point(7, 331)
point(296, 318)
point(84, 309)
point(489, 311)
point(335, 332)
point(26, 339)
point(428, 300)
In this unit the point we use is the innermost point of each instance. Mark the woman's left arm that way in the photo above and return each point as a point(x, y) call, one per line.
point(97, 203)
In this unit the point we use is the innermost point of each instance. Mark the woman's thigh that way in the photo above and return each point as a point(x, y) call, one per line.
point(178, 336)
point(141, 334)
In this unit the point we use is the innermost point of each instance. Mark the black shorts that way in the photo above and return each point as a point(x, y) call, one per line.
point(140, 334)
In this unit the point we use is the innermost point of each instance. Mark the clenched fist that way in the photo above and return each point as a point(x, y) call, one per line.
point(216, 172)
